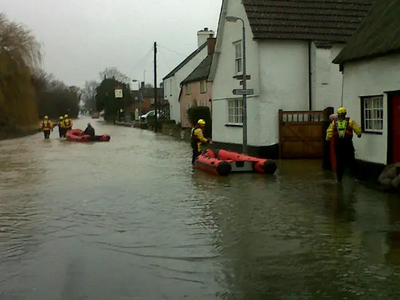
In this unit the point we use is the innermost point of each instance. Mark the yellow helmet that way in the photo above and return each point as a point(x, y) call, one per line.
point(201, 122)
point(61, 117)
point(66, 116)
point(46, 117)
point(341, 111)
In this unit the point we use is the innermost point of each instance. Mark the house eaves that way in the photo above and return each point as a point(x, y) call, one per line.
point(378, 34)
point(201, 72)
point(185, 61)
point(322, 20)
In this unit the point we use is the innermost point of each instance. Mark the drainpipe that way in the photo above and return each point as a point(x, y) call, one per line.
point(309, 76)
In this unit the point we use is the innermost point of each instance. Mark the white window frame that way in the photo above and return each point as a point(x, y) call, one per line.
point(201, 103)
point(372, 114)
point(235, 111)
point(238, 57)
point(188, 105)
point(187, 89)
point(203, 86)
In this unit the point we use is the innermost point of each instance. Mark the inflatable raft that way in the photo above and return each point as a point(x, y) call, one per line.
point(217, 162)
point(76, 135)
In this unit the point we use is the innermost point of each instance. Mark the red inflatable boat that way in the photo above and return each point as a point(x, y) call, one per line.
point(243, 163)
point(213, 165)
point(76, 135)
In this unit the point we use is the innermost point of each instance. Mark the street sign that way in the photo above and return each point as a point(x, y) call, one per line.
point(118, 92)
point(243, 92)
point(240, 77)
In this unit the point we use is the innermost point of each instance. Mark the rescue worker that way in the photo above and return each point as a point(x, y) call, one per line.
point(89, 130)
point(46, 125)
point(198, 139)
point(67, 124)
point(60, 125)
point(341, 130)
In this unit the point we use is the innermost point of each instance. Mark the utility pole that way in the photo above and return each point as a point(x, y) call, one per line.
point(244, 87)
point(155, 87)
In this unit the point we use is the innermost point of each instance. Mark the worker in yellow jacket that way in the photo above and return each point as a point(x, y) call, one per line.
point(46, 125)
point(341, 130)
point(198, 139)
point(67, 124)
point(60, 125)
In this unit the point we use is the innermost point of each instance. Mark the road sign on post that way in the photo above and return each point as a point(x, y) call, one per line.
point(243, 92)
point(118, 92)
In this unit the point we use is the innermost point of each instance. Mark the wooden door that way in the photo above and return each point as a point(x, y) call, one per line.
point(396, 128)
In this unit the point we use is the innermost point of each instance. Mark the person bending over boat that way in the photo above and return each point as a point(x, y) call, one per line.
point(198, 139)
point(89, 130)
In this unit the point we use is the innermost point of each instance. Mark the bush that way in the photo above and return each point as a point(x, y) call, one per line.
point(201, 112)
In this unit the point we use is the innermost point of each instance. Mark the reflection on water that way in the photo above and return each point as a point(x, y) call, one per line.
point(131, 219)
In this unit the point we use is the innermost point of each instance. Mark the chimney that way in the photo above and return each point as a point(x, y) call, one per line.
point(202, 36)
point(211, 44)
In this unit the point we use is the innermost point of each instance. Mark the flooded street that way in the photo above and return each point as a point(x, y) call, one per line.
point(130, 219)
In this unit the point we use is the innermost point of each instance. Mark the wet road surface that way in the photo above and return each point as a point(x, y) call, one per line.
point(130, 219)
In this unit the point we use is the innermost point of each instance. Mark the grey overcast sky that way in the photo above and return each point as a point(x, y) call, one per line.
point(80, 38)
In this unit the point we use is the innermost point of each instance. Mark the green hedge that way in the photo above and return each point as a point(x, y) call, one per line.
point(201, 112)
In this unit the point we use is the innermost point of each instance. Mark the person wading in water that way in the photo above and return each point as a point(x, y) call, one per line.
point(341, 129)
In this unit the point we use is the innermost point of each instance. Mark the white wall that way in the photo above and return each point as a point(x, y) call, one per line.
point(223, 83)
point(284, 75)
point(173, 84)
point(279, 72)
point(326, 78)
point(369, 78)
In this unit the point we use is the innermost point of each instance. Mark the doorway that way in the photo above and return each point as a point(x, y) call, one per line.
point(394, 132)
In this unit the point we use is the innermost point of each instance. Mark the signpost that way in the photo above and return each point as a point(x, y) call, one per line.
point(243, 92)
point(118, 92)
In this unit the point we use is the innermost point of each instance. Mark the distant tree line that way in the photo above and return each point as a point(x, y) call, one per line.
point(26, 91)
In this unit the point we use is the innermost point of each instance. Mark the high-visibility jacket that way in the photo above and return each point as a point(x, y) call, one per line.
point(197, 137)
point(46, 125)
point(60, 124)
point(68, 122)
point(343, 129)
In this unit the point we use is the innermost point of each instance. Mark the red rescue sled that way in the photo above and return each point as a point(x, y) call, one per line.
point(260, 165)
point(76, 135)
point(213, 165)
point(210, 160)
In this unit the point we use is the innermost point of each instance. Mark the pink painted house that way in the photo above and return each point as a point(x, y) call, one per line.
point(196, 90)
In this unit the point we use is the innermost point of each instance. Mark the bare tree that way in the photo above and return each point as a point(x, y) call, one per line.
point(114, 73)
point(89, 94)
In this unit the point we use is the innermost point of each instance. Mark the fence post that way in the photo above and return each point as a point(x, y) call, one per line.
point(280, 118)
point(326, 160)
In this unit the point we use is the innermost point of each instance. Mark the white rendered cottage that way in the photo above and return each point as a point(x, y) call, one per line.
point(290, 48)
point(370, 63)
point(174, 78)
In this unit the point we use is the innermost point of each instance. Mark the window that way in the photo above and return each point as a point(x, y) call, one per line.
point(202, 103)
point(238, 57)
point(372, 114)
point(203, 86)
point(187, 88)
point(189, 105)
point(235, 111)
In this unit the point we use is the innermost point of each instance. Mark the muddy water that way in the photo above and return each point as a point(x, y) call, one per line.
point(130, 219)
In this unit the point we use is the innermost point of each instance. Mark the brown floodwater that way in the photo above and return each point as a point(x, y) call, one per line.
point(131, 219)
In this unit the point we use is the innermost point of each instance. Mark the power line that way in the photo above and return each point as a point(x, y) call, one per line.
point(143, 59)
point(184, 55)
